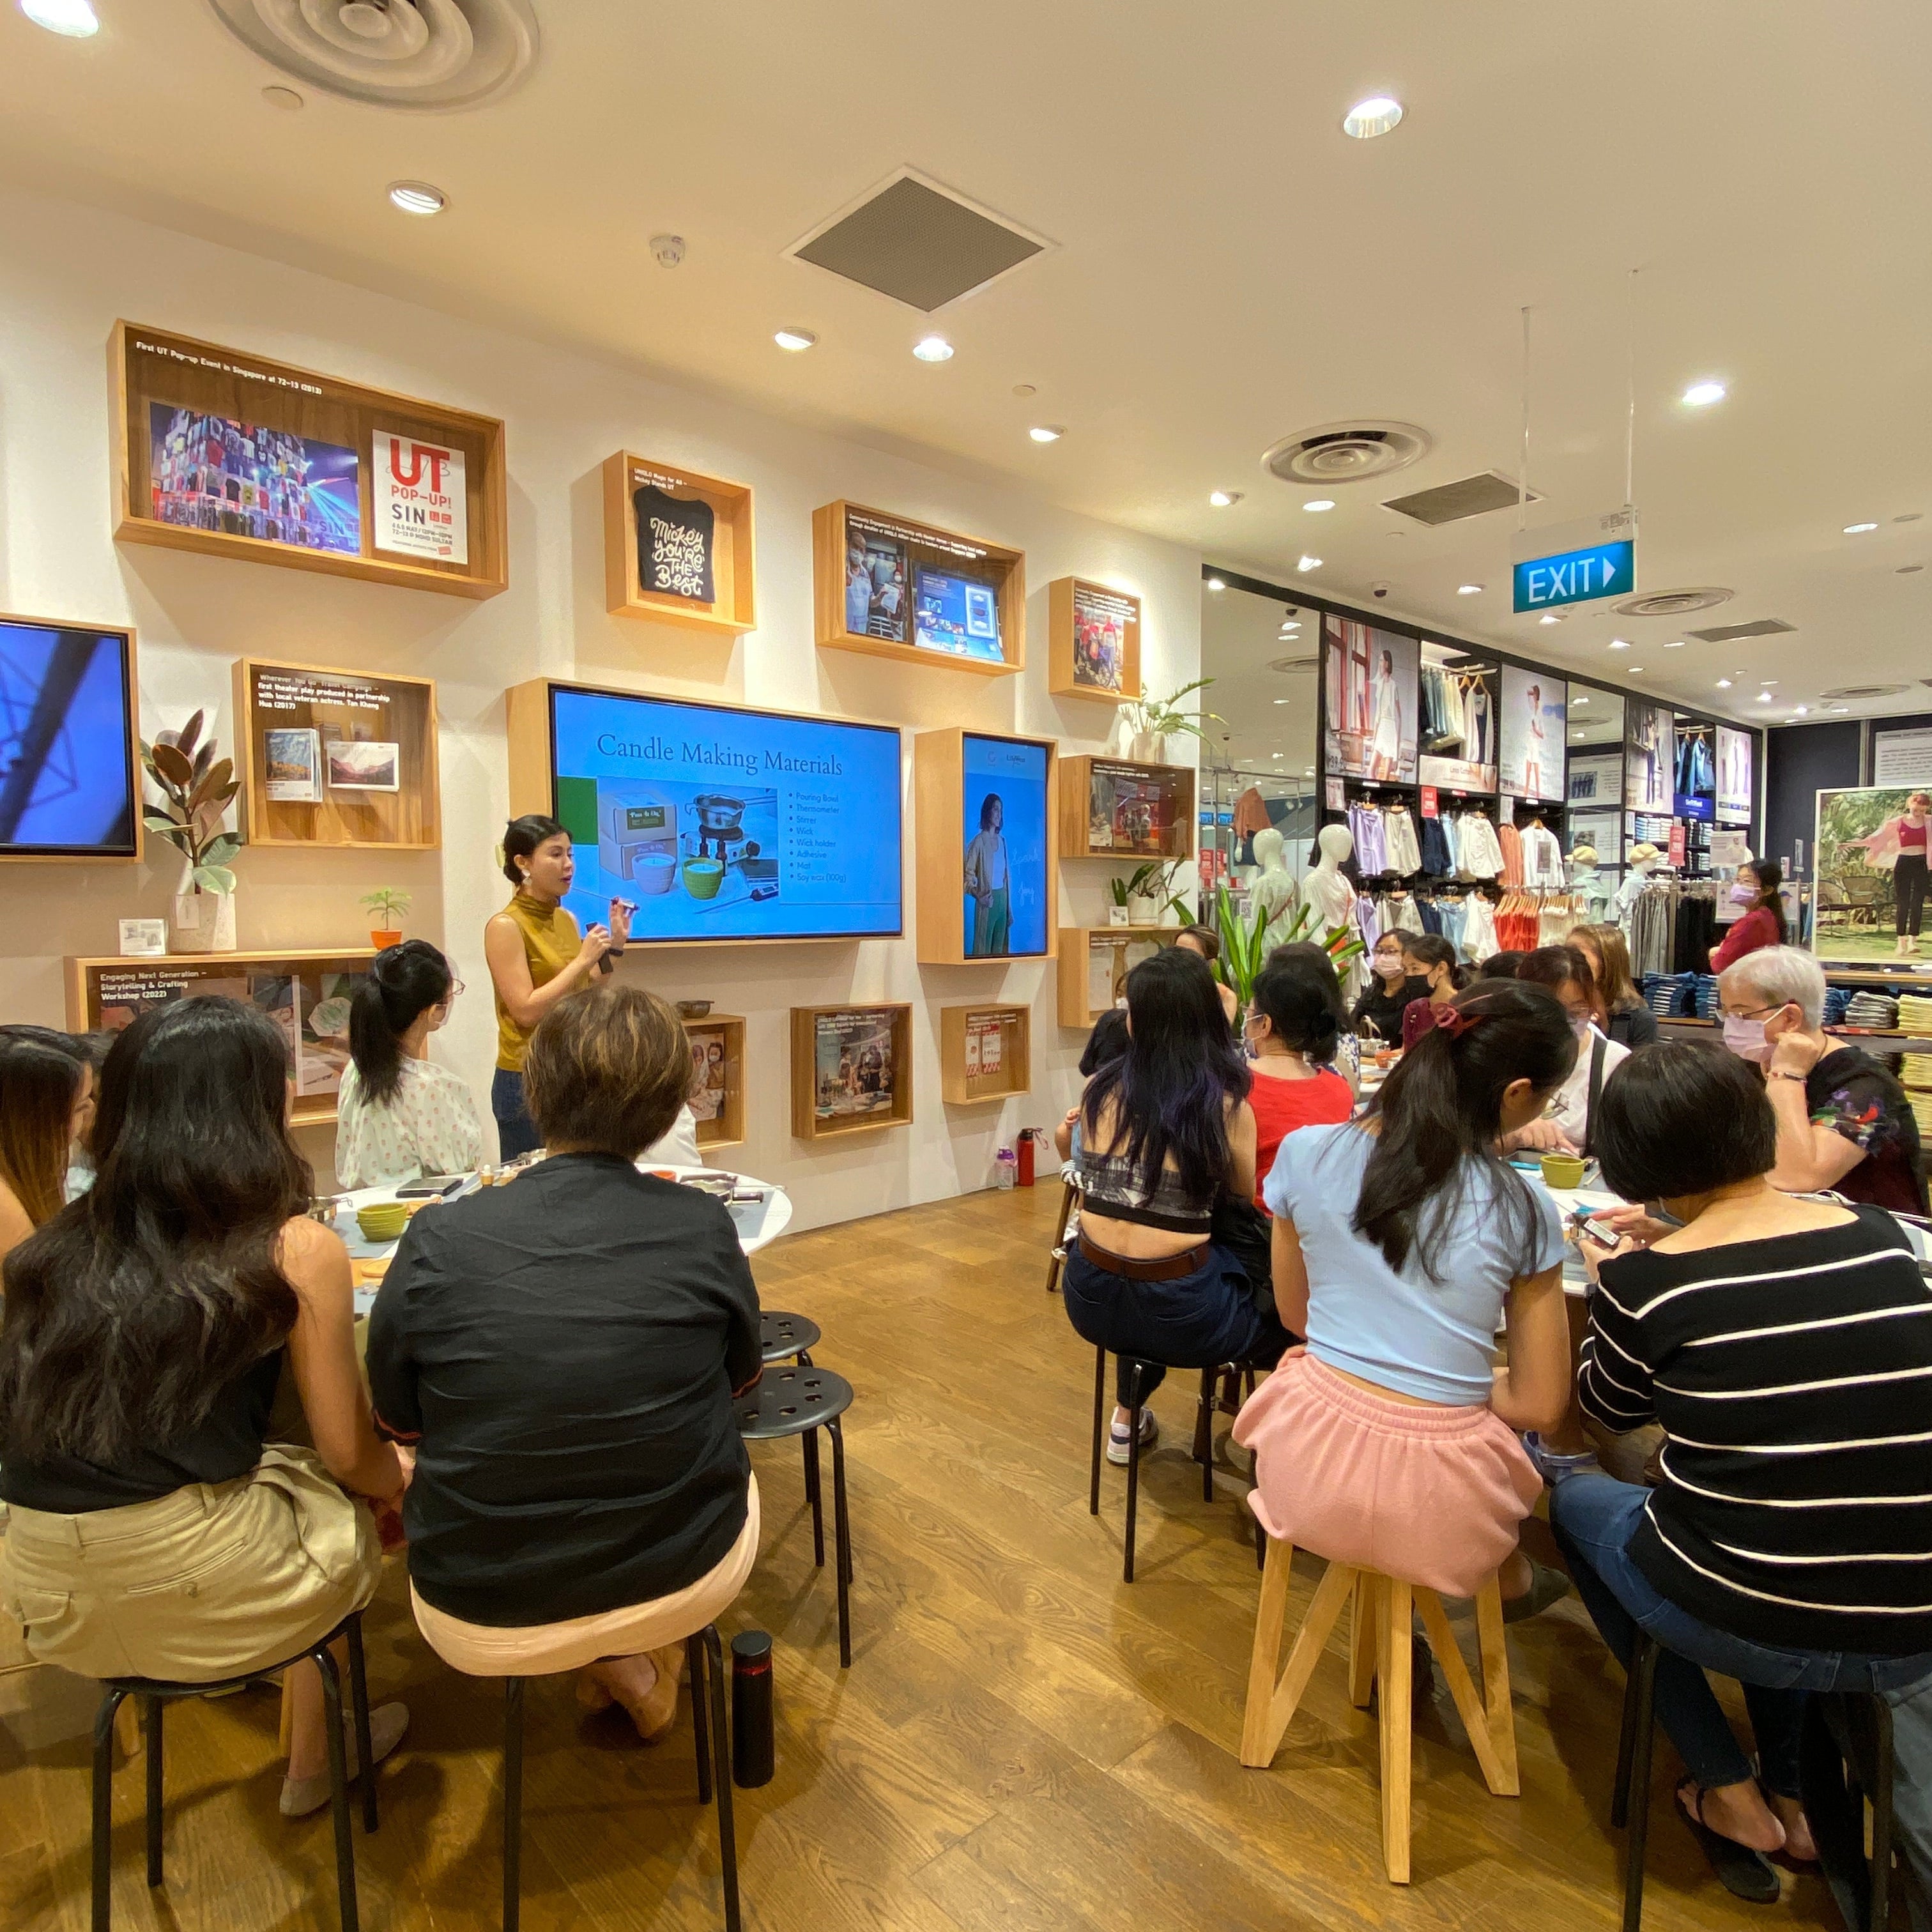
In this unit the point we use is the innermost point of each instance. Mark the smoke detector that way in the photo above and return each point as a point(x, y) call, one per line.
point(1673, 603)
point(1346, 452)
point(423, 54)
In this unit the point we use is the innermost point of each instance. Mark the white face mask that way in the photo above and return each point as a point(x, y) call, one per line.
point(1579, 1025)
point(1745, 1038)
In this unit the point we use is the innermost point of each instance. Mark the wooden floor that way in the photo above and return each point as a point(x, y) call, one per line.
point(1023, 1744)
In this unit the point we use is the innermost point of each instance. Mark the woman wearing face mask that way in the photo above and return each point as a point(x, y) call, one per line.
point(1431, 959)
point(1292, 1029)
point(1901, 843)
point(1565, 1129)
point(1843, 1123)
point(1623, 1016)
point(1763, 922)
point(1391, 988)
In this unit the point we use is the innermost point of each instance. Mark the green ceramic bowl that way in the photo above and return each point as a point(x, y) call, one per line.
point(702, 876)
point(383, 1220)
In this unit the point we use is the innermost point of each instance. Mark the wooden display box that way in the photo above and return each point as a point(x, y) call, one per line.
point(293, 481)
point(725, 1127)
point(851, 1069)
point(1114, 809)
point(323, 711)
point(901, 549)
point(1092, 630)
point(303, 992)
point(948, 821)
point(732, 610)
point(1090, 955)
point(970, 1037)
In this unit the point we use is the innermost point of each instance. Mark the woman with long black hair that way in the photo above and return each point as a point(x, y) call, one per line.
point(153, 1531)
point(400, 1115)
point(46, 1102)
point(1165, 1130)
point(1761, 922)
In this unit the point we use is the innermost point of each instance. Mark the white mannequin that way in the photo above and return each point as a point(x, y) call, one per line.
point(1273, 888)
point(1331, 895)
point(1645, 858)
point(1585, 883)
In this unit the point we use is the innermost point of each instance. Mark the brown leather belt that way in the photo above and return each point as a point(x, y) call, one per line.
point(1169, 1268)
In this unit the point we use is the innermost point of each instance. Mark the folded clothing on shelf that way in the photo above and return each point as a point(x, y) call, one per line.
point(1837, 999)
point(1871, 1010)
point(1671, 995)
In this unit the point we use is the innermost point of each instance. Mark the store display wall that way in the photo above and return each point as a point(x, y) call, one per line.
point(71, 271)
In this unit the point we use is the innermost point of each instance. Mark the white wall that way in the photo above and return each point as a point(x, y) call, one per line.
point(70, 271)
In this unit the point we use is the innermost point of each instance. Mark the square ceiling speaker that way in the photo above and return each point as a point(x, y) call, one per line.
point(918, 243)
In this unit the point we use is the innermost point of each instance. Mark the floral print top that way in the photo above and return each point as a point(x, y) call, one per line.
point(1850, 1093)
point(430, 1126)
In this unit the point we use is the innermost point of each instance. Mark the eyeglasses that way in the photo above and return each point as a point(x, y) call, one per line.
point(455, 987)
point(1748, 1013)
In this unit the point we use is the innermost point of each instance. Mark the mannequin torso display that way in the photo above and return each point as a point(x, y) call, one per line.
point(1587, 884)
point(1641, 868)
point(1334, 898)
point(1272, 889)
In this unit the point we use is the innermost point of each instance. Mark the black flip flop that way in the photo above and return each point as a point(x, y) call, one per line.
point(1743, 1872)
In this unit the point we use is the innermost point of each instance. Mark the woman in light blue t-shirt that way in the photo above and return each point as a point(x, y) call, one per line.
point(1401, 1242)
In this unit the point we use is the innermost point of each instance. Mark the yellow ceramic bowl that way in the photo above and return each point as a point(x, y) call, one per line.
point(383, 1220)
point(702, 876)
point(1562, 1170)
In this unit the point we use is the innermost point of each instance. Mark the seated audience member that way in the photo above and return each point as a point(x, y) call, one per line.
point(1762, 923)
point(1401, 1241)
point(563, 1353)
point(400, 1116)
point(1844, 1123)
point(1206, 941)
point(153, 1532)
point(1624, 1018)
point(47, 1106)
point(1392, 985)
point(1321, 962)
point(1431, 959)
point(1164, 1131)
point(1783, 1345)
point(1107, 1041)
point(1291, 1033)
point(1500, 966)
point(1566, 1127)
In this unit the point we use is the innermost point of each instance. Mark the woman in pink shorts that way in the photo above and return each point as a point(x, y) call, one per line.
point(1401, 1242)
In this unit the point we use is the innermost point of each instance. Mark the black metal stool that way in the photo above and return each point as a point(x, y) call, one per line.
point(704, 1655)
point(1632, 1782)
point(155, 1693)
point(781, 1335)
point(800, 1401)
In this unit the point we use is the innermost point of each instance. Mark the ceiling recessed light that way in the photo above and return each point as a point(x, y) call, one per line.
point(1764, 697)
point(1550, 617)
point(1284, 700)
point(1276, 754)
point(1909, 517)
point(73, 18)
point(1767, 681)
point(1308, 563)
point(1215, 584)
point(1635, 671)
point(1858, 529)
point(1723, 684)
point(1222, 499)
point(1702, 395)
point(1376, 116)
point(795, 339)
point(1308, 771)
point(1468, 590)
point(1619, 644)
point(1575, 701)
point(1839, 710)
point(1675, 644)
point(1047, 432)
point(1801, 710)
point(1320, 503)
point(933, 349)
point(1023, 390)
point(417, 197)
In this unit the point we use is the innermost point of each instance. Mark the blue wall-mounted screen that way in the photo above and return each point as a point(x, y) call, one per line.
point(67, 761)
point(1004, 872)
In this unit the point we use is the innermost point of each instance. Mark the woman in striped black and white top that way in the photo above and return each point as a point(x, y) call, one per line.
point(1785, 1344)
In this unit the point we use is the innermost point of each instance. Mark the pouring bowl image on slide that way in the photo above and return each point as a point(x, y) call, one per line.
point(653, 872)
point(702, 876)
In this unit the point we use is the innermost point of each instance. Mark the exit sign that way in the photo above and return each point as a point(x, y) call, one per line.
point(1577, 576)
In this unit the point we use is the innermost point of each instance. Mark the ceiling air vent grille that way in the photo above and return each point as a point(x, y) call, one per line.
point(1673, 603)
point(1289, 666)
point(1467, 496)
point(1729, 634)
point(1346, 452)
point(918, 243)
point(1862, 694)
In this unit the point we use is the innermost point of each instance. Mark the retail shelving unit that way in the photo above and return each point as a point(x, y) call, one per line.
point(1085, 622)
point(724, 1127)
point(1115, 808)
point(836, 1088)
point(985, 1053)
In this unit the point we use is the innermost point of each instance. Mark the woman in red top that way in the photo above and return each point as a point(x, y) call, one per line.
point(1763, 924)
point(1294, 1023)
point(1432, 960)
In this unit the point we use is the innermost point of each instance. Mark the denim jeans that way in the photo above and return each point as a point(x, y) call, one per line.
point(1196, 1321)
point(1595, 1517)
point(516, 1132)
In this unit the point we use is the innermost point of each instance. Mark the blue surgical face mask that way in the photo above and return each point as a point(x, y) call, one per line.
point(1745, 1038)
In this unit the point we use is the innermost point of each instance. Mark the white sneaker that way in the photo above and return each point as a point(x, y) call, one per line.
point(1119, 1447)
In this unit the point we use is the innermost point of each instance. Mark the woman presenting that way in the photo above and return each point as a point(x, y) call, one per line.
point(986, 882)
point(1901, 842)
point(536, 957)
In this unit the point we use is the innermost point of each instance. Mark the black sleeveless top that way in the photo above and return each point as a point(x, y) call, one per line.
point(227, 1445)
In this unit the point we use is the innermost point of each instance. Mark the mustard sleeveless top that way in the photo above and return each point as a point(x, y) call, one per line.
point(550, 943)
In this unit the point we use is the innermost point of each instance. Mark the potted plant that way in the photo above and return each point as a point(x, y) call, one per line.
point(1149, 722)
point(387, 908)
point(198, 788)
point(1147, 891)
point(1247, 944)
point(1116, 913)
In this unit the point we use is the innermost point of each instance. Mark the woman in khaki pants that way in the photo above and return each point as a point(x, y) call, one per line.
point(153, 1532)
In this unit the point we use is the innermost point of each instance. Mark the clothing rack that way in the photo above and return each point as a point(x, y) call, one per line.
point(1671, 924)
point(1462, 913)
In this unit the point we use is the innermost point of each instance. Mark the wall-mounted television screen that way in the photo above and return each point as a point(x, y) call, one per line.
point(67, 729)
point(1004, 811)
point(722, 824)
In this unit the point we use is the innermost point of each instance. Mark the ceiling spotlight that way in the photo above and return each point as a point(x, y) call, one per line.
point(1619, 644)
point(1468, 590)
point(933, 349)
point(1575, 701)
point(1047, 432)
point(1308, 563)
point(1274, 754)
point(1222, 499)
point(1367, 119)
point(1635, 671)
point(1801, 711)
point(1764, 697)
point(417, 197)
point(1550, 617)
point(1675, 644)
point(1839, 710)
point(1215, 584)
point(795, 339)
point(1858, 529)
point(1320, 503)
point(1723, 684)
point(1702, 395)
point(73, 18)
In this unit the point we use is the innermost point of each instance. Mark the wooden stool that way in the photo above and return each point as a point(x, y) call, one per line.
point(1069, 1206)
point(1378, 1649)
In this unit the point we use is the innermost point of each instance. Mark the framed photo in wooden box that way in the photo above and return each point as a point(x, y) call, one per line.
point(897, 588)
point(985, 1053)
point(717, 1078)
point(1094, 964)
point(1093, 641)
point(851, 1069)
point(1114, 809)
point(306, 994)
point(677, 546)
point(236, 454)
point(337, 757)
point(987, 887)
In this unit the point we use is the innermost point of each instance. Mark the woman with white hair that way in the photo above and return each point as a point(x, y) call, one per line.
point(1843, 1123)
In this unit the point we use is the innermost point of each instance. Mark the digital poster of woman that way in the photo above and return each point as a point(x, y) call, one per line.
point(989, 883)
point(1901, 843)
point(1372, 680)
point(1650, 758)
point(1385, 712)
point(1534, 706)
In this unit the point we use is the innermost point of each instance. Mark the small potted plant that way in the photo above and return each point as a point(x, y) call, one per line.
point(1148, 723)
point(1148, 891)
point(387, 908)
point(198, 788)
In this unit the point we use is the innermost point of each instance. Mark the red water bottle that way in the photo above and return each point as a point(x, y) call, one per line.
point(1025, 1151)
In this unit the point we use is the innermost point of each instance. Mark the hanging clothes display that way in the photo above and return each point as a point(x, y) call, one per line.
point(1479, 940)
point(1673, 925)
point(1404, 855)
point(1510, 841)
point(1477, 851)
point(1439, 859)
point(1542, 857)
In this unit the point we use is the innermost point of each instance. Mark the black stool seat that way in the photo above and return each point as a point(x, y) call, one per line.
point(800, 1399)
point(781, 1334)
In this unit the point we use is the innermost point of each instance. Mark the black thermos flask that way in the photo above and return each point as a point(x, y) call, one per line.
point(752, 1739)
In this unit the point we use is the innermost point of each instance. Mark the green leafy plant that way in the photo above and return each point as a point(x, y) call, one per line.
point(1153, 880)
point(1164, 715)
point(1246, 944)
point(387, 906)
point(1118, 887)
point(198, 787)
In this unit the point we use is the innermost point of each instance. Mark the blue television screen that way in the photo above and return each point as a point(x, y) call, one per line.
point(67, 761)
point(957, 615)
point(1004, 873)
point(721, 824)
